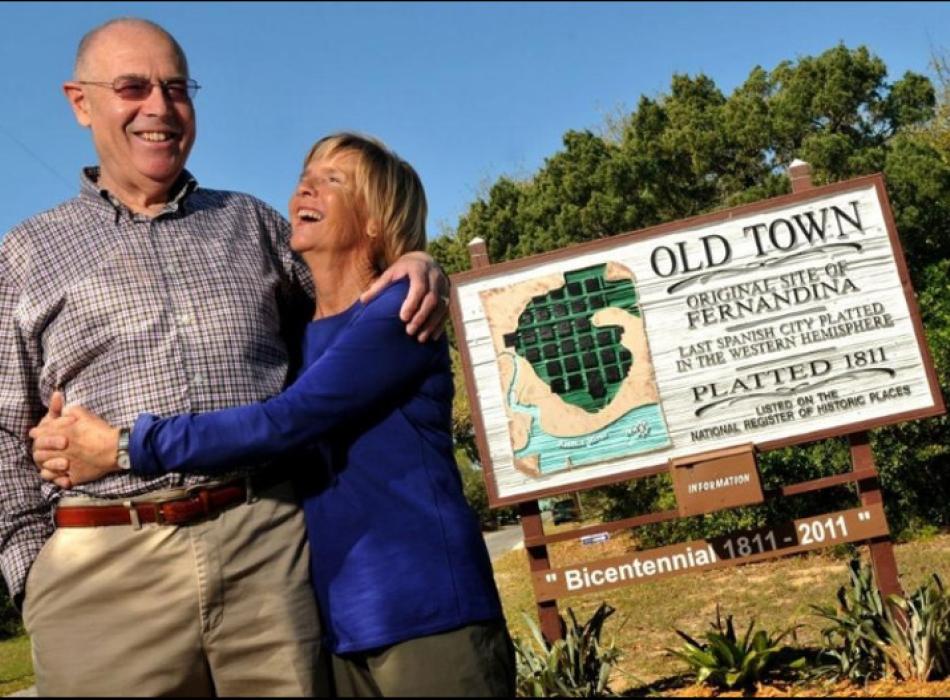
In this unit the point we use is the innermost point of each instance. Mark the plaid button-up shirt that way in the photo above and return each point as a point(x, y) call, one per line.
point(192, 310)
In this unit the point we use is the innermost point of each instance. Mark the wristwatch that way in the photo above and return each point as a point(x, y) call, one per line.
point(123, 457)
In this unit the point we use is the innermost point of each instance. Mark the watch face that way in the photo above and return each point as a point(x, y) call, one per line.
point(123, 461)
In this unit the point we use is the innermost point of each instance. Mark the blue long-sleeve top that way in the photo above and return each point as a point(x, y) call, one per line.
point(396, 552)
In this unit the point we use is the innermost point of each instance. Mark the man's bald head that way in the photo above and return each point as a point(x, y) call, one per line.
point(81, 68)
point(142, 139)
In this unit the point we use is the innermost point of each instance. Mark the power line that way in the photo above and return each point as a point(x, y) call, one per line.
point(49, 168)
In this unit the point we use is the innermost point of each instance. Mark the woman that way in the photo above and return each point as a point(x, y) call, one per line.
point(398, 563)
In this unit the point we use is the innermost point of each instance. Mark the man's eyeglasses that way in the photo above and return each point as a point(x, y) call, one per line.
point(138, 89)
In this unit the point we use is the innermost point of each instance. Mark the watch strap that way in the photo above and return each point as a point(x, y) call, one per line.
point(122, 458)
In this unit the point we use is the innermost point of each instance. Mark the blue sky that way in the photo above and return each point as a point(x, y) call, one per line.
point(464, 91)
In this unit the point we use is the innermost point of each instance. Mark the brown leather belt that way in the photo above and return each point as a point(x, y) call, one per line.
point(196, 505)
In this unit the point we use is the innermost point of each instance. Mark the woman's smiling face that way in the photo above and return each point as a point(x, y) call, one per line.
point(325, 209)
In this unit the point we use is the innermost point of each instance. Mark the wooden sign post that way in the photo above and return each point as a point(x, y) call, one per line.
point(687, 348)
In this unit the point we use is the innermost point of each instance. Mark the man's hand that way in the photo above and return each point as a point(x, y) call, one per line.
point(427, 303)
point(57, 402)
point(73, 445)
point(54, 412)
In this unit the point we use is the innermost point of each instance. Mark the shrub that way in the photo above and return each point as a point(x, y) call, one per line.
point(848, 650)
point(725, 661)
point(577, 666)
point(11, 624)
point(918, 647)
point(868, 638)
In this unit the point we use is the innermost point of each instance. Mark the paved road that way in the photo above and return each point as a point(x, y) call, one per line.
point(503, 540)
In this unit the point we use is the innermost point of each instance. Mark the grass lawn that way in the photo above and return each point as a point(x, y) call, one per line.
point(777, 593)
point(16, 665)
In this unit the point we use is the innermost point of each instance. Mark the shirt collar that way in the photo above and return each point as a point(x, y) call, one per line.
point(89, 189)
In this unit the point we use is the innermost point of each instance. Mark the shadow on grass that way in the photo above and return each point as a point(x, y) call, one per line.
point(783, 676)
point(660, 687)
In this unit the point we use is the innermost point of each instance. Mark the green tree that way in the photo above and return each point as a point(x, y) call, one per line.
point(473, 486)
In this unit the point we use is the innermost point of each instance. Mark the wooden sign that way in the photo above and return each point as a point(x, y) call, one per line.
point(716, 480)
point(703, 555)
point(781, 322)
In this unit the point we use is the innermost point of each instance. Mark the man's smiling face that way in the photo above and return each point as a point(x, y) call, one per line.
point(142, 144)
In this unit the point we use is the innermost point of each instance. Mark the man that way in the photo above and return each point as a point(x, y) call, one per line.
point(146, 292)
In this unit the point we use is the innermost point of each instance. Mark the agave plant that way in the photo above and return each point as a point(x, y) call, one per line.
point(918, 639)
point(907, 637)
point(577, 666)
point(849, 649)
point(726, 661)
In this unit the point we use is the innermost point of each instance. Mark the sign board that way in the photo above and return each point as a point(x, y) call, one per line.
point(785, 321)
point(715, 553)
point(716, 480)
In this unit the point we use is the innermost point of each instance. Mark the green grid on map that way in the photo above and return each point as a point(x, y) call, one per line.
point(582, 363)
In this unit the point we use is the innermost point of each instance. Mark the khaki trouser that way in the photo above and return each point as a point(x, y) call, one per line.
point(477, 660)
point(217, 607)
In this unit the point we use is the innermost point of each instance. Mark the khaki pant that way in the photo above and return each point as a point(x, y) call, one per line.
point(474, 661)
point(217, 607)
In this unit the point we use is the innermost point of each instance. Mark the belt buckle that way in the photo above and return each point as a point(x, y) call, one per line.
point(133, 514)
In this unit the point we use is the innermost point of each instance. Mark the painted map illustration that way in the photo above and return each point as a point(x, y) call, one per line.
point(575, 369)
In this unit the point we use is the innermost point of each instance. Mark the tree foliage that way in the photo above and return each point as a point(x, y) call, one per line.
point(694, 149)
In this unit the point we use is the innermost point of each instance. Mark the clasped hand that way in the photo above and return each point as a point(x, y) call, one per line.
point(72, 445)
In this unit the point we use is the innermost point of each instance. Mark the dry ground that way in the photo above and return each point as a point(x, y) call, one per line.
point(877, 689)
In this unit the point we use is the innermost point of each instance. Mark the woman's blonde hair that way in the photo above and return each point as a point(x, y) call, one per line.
point(389, 189)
